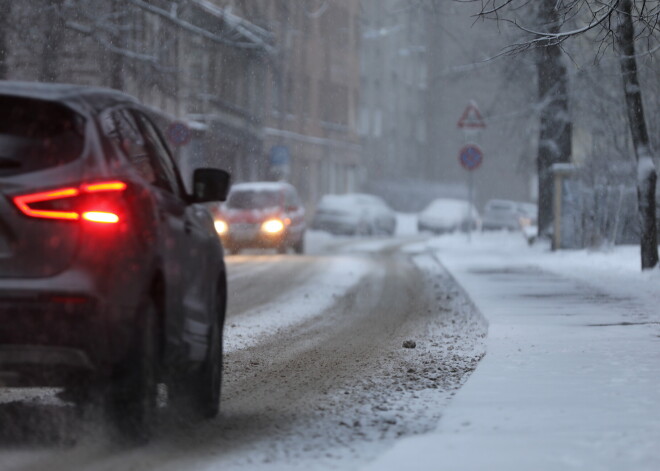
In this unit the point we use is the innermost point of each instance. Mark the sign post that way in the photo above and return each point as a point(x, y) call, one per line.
point(471, 156)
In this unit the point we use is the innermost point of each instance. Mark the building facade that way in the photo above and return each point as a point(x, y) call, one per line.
point(312, 92)
point(268, 88)
point(393, 124)
point(191, 60)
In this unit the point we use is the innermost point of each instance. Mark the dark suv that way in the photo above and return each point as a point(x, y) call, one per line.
point(112, 278)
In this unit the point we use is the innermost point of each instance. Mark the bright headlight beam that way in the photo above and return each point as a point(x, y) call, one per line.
point(221, 227)
point(273, 226)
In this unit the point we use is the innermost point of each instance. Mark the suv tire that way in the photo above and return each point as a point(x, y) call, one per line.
point(131, 397)
point(207, 393)
point(198, 395)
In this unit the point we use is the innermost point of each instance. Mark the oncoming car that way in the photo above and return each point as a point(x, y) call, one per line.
point(112, 278)
point(263, 215)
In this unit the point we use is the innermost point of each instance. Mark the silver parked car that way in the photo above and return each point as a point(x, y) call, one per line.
point(354, 214)
point(502, 214)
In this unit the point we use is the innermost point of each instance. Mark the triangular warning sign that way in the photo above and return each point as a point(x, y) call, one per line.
point(471, 117)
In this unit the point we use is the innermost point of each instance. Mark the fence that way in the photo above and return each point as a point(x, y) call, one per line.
point(593, 215)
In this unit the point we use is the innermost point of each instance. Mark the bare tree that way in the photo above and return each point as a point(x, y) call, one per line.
point(53, 36)
point(5, 10)
point(619, 23)
point(555, 129)
point(646, 172)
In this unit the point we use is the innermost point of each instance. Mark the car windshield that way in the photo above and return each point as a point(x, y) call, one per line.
point(37, 134)
point(254, 199)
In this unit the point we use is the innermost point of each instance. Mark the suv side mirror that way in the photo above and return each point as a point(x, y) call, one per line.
point(210, 184)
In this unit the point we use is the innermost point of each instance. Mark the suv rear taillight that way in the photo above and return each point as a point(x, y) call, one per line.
point(94, 202)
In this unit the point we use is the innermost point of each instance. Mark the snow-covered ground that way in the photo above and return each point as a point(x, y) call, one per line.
point(294, 306)
point(571, 376)
point(316, 376)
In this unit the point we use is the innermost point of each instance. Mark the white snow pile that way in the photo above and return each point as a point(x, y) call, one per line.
point(571, 376)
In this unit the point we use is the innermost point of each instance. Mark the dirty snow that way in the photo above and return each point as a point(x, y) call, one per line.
point(571, 375)
point(296, 306)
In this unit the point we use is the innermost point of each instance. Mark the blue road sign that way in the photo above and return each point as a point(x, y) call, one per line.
point(471, 157)
point(178, 134)
point(279, 156)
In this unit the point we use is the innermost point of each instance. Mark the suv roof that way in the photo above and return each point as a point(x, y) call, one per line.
point(79, 97)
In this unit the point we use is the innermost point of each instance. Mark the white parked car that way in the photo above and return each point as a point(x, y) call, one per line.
point(501, 214)
point(448, 215)
point(354, 214)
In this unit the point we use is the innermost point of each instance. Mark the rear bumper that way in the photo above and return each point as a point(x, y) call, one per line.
point(33, 365)
point(498, 225)
point(435, 228)
point(62, 325)
point(32, 355)
point(335, 226)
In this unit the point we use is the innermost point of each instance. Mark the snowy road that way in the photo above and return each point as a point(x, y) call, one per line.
point(315, 372)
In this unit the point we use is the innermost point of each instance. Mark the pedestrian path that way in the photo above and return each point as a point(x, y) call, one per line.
point(570, 380)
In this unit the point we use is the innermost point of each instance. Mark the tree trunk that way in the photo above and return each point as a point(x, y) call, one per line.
point(116, 60)
point(5, 11)
point(646, 173)
point(52, 42)
point(555, 123)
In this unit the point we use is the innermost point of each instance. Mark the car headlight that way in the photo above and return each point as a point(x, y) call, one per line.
point(221, 227)
point(272, 226)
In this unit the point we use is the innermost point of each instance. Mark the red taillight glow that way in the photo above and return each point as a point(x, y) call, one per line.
point(23, 202)
point(99, 214)
point(105, 186)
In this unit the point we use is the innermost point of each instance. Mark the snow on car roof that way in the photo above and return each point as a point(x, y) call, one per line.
point(448, 208)
point(446, 203)
point(260, 186)
point(351, 198)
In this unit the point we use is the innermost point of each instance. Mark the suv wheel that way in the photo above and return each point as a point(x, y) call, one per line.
point(131, 398)
point(198, 394)
point(207, 393)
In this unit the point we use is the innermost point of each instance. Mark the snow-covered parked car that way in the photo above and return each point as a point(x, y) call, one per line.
point(265, 215)
point(509, 215)
point(354, 214)
point(448, 215)
point(501, 214)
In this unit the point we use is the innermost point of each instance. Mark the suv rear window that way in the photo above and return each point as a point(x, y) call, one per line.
point(254, 199)
point(37, 134)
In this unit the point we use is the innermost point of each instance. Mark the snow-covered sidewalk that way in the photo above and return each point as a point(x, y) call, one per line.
point(571, 377)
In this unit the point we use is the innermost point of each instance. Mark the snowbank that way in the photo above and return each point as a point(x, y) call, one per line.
point(572, 372)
